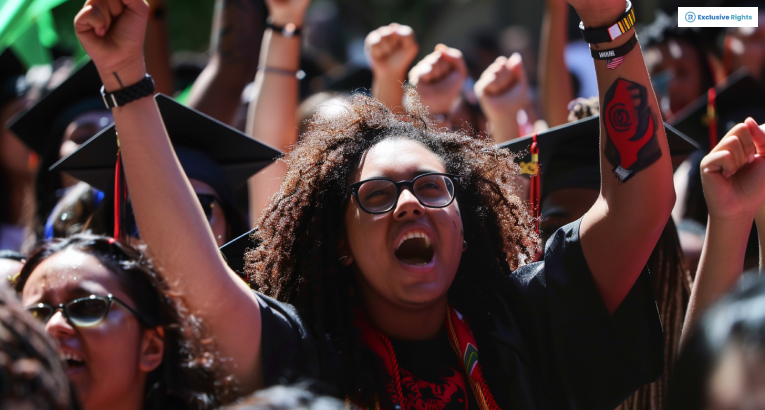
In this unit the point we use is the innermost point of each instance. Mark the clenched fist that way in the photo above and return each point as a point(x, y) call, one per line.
point(439, 78)
point(390, 50)
point(112, 33)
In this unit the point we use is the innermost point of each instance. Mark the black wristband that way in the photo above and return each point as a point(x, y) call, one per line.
point(143, 88)
point(620, 51)
point(610, 33)
point(288, 30)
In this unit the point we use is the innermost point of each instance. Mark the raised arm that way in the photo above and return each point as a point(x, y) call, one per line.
point(555, 90)
point(390, 51)
point(502, 91)
point(733, 176)
point(621, 229)
point(272, 115)
point(168, 213)
point(237, 31)
point(439, 78)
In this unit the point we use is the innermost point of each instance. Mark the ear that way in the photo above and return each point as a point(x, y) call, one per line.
point(344, 251)
point(152, 349)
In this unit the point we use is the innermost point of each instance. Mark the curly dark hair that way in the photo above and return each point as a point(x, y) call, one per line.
point(189, 374)
point(297, 259)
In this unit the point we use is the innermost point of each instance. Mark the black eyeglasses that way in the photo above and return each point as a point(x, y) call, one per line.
point(380, 195)
point(83, 312)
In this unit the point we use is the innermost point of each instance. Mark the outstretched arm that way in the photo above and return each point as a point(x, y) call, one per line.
point(502, 91)
point(621, 229)
point(168, 214)
point(272, 115)
point(235, 40)
point(390, 51)
point(555, 90)
point(733, 175)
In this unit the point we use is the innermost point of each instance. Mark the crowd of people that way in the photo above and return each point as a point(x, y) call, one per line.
point(250, 244)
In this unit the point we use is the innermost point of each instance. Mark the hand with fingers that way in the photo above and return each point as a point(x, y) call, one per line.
point(112, 33)
point(390, 51)
point(502, 91)
point(439, 78)
point(284, 12)
point(733, 173)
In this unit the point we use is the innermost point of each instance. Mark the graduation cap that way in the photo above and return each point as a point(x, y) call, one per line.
point(712, 115)
point(208, 150)
point(569, 154)
point(233, 252)
point(43, 125)
point(13, 83)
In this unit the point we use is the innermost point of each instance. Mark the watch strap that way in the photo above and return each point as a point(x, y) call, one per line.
point(143, 88)
point(612, 32)
point(620, 51)
point(288, 30)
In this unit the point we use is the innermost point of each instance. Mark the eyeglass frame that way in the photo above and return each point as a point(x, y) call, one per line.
point(64, 308)
point(353, 189)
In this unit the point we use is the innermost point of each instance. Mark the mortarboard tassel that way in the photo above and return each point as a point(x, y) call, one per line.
point(711, 117)
point(534, 192)
point(120, 198)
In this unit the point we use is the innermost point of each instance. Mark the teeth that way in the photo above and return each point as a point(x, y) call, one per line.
point(69, 356)
point(414, 234)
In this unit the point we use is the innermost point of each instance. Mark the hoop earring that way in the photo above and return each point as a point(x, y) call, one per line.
point(343, 258)
point(464, 245)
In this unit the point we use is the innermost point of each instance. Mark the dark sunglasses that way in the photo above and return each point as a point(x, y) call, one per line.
point(83, 312)
point(380, 195)
point(206, 200)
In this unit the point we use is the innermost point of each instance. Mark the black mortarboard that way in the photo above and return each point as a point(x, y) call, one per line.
point(44, 124)
point(739, 96)
point(569, 154)
point(235, 249)
point(13, 84)
point(208, 150)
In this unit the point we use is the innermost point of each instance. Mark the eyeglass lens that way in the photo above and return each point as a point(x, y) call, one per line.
point(381, 195)
point(81, 312)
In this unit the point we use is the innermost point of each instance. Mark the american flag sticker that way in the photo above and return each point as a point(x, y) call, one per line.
point(614, 62)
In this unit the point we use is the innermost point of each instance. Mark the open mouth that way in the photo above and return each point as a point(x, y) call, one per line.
point(415, 249)
point(73, 361)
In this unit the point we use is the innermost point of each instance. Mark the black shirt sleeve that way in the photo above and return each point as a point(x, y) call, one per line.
point(590, 358)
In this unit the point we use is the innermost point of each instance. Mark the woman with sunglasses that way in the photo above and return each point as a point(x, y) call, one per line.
point(126, 342)
point(396, 243)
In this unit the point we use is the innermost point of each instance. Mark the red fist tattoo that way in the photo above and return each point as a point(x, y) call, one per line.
point(631, 144)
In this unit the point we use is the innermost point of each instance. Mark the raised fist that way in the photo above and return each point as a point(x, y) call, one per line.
point(287, 11)
point(503, 88)
point(390, 50)
point(439, 78)
point(112, 33)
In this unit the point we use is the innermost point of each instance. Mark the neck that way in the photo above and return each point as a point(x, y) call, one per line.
point(415, 322)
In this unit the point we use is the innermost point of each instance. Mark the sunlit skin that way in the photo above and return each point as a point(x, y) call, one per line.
point(681, 59)
point(81, 129)
point(404, 301)
point(118, 353)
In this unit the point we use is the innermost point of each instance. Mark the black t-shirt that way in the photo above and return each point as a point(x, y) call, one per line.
point(553, 346)
point(432, 375)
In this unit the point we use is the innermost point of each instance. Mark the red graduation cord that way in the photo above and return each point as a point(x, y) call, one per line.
point(120, 195)
point(534, 192)
point(712, 117)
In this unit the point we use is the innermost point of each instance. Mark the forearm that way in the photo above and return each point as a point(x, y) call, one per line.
point(721, 264)
point(235, 44)
point(157, 48)
point(505, 127)
point(387, 89)
point(174, 227)
point(555, 83)
point(637, 195)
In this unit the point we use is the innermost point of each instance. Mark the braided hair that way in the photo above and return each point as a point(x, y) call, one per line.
point(297, 259)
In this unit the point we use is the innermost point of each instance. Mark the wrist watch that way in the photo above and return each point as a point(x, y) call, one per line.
point(287, 31)
point(143, 88)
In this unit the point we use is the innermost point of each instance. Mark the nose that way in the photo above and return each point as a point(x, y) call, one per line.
point(58, 326)
point(408, 207)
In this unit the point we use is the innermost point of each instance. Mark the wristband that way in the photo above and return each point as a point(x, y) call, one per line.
point(143, 88)
point(610, 33)
point(299, 74)
point(620, 51)
point(288, 30)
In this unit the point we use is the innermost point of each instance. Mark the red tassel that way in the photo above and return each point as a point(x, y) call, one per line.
point(534, 192)
point(712, 117)
point(120, 196)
